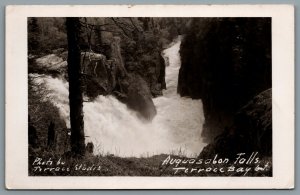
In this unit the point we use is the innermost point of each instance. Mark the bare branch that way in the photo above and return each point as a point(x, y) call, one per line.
point(117, 24)
point(134, 25)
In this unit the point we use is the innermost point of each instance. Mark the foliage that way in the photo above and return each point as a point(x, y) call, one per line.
point(46, 34)
point(33, 35)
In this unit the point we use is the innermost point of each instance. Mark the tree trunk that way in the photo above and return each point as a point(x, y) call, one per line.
point(75, 87)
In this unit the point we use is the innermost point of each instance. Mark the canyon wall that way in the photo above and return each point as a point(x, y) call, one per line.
point(225, 62)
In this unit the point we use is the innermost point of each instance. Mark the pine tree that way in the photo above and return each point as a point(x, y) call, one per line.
point(75, 87)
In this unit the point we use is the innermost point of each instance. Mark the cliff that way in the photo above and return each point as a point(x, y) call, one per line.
point(225, 62)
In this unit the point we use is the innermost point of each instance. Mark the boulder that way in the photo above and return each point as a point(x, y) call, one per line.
point(51, 64)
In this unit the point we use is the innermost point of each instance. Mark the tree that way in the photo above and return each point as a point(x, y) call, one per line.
point(75, 87)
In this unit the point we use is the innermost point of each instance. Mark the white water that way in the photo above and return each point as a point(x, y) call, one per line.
point(114, 129)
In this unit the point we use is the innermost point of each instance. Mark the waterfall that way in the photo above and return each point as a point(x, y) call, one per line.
point(115, 129)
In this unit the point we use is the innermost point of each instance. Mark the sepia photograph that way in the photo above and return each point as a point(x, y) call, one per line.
point(150, 96)
point(166, 96)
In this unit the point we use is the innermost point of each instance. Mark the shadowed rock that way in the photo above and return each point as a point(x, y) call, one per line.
point(251, 130)
point(138, 96)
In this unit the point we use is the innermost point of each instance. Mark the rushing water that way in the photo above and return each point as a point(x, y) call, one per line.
point(114, 129)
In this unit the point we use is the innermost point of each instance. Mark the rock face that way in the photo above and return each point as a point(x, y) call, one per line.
point(250, 131)
point(225, 62)
point(138, 96)
point(97, 72)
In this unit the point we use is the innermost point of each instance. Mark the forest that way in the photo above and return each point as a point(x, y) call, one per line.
point(127, 93)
